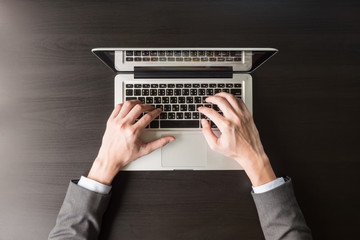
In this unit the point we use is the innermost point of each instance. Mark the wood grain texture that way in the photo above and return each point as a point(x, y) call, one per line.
point(55, 97)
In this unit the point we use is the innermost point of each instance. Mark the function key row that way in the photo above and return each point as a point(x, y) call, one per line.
point(185, 53)
point(186, 85)
point(182, 59)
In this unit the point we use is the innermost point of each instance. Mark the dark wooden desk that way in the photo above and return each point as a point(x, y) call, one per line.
point(55, 97)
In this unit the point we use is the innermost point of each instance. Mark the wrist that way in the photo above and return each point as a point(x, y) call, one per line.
point(102, 172)
point(260, 172)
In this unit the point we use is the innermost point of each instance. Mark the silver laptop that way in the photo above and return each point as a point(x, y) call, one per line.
point(178, 80)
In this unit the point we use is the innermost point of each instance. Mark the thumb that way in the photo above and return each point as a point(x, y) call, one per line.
point(159, 143)
point(208, 134)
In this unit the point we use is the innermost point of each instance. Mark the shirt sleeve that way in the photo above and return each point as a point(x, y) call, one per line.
point(93, 185)
point(269, 186)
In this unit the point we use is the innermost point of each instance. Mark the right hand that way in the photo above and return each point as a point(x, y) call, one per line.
point(239, 137)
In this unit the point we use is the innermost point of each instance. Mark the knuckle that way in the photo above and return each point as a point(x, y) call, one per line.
point(147, 117)
point(138, 107)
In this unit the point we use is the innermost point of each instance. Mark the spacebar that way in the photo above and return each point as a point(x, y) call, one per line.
point(179, 124)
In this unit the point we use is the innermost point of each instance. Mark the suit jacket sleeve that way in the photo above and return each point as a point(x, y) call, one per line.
point(80, 215)
point(280, 215)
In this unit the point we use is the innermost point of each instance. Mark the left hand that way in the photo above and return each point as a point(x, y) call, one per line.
point(121, 143)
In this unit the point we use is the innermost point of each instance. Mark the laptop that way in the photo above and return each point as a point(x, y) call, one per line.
point(178, 80)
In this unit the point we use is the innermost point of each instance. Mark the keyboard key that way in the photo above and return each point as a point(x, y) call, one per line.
point(163, 85)
point(154, 124)
point(138, 59)
point(237, 85)
point(193, 53)
point(146, 59)
point(204, 59)
point(161, 92)
point(137, 53)
point(145, 92)
point(204, 99)
point(196, 85)
point(171, 59)
point(129, 85)
point(162, 59)
point(161, 53)
point(129, 59)
point(224, 53)
point(187, 115)
point(157, 99)
point(169, 92)
point(229, 59)
point(236, 53)
point(185, 92)
point(146, 85)
point(220, 59)
point(130, 98)
point(173, 100)
point(179, 115)
point(141, 99)
point(196, 59)
point(153, 53)
point(181, 100)
point(179, 59)
point(187, 85)
point(217, 91)
point(212, 59)
point(171, 115)
point(201, 53)
point(137, 92)
point(183, 107)
point(163, 115)
point(167, 108)
point(187, 59)
point(177, 92)
point(179, 124)
point(177, 53)
point(165, 99)
point(154, 85)
point(237, 59)
point(209, 92)
point(229, 85)
point(185, 53)
point(212, 85)
point(204, 85)
point(154, 59)
point(236, 91)
point(197, 99)
point(169, 53)
point(209, 53)
point(179, 85)
point(153, 92)
point(159, 106)
point(201, 91)
point(171, 85)
point(226, 90)
point(175, 108)
point(217, 53)
point(191, 107)
point(193, 91)
point(221, 85)
point(145, 53)
point(149, 100)
point(189, 100)
point(195, 115)
point(129, 92)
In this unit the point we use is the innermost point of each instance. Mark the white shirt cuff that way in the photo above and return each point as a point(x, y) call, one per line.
point(269, 186)
point(93, 185)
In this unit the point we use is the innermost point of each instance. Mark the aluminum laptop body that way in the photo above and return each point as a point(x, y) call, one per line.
point(170, 72)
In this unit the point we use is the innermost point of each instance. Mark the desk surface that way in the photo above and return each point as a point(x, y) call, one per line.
point(55, 97)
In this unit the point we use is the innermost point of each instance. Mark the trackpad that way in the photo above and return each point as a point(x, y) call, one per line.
point(188, 150)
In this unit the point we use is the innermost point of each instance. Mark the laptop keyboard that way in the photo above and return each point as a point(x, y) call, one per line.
point(179, 102)
point(183, 56)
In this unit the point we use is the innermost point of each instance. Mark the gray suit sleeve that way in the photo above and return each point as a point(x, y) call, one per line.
point(80, 214)
point(280, 215)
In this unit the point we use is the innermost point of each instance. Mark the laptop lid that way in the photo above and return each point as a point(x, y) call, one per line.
point(251, 59)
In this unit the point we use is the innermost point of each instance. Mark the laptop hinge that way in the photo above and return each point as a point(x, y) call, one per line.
point(183, 72)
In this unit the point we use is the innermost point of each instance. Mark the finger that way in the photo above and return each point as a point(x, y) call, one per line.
point(137, 110)
point(231, 99)
point(209, 134)
point(147, 118)
point(152, 146)
point(213, 115)
point(126, 107)
point(116, 111)
point(223, 104)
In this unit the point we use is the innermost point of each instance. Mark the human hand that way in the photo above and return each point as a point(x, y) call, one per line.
point(121, 143)
point(239, 137)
